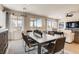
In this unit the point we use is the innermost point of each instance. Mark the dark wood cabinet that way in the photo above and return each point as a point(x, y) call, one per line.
point(76, 38)
point(3, 41)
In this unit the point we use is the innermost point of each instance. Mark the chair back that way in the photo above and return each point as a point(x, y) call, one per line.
point(25, 38)
point(59, 45)
point(29, 31)
point(38, 32)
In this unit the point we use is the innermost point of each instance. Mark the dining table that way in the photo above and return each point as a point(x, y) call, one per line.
point(46, 38)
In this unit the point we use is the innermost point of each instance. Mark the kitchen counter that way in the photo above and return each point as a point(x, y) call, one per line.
point(3, 40)
point(2, 30)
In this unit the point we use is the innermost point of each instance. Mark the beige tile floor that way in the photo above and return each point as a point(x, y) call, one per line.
point(17, 47)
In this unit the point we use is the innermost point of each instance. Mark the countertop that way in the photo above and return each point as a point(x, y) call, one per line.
point(3, 29)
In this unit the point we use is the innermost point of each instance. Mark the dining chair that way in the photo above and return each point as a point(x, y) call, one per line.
point(28, 31)
point(56, 47)
point(29, 43)
point(59, 33)
point(38, 33)
point(55, 32)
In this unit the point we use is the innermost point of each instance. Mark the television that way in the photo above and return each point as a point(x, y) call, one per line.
point(74, 24)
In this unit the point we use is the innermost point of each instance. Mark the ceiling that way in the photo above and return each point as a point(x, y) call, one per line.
point(57, 11)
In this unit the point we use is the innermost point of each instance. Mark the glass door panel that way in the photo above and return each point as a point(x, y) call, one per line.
point(15, 27)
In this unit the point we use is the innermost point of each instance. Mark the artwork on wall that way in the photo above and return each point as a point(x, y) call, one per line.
point(61, 25)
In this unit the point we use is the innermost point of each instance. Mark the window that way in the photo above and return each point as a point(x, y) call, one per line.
point(35, 22)
point(54, 24)
point(32, 22)
point(16, 22)
point(39, 23)
point(51, 24)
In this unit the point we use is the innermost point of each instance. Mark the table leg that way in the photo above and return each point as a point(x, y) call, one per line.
point(39, 48)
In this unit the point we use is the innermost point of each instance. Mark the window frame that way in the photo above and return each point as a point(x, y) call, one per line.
point(35, 23)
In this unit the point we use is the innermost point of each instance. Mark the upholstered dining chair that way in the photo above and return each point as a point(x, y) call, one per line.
point(56, 47)
point(29, 31)
point(29, 43)
point(38, 33)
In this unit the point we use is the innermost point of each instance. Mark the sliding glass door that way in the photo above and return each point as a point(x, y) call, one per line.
point(16, 24)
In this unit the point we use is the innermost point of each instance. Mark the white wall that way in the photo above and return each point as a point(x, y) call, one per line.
point(3, 19)
point(75, 17)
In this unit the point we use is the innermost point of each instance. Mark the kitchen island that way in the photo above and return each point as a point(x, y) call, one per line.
point(3, 40)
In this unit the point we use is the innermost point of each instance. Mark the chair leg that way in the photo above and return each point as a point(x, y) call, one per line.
point(43, 51)
point(28, 51)
point(63, 51)
point(25, 47)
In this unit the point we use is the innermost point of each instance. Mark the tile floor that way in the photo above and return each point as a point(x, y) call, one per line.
point(17, 47)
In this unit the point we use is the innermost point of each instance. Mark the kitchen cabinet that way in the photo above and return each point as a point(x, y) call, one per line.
point(3, 41)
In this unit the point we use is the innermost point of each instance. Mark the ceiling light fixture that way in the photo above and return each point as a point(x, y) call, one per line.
point(69, 15)
point(24, 8)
